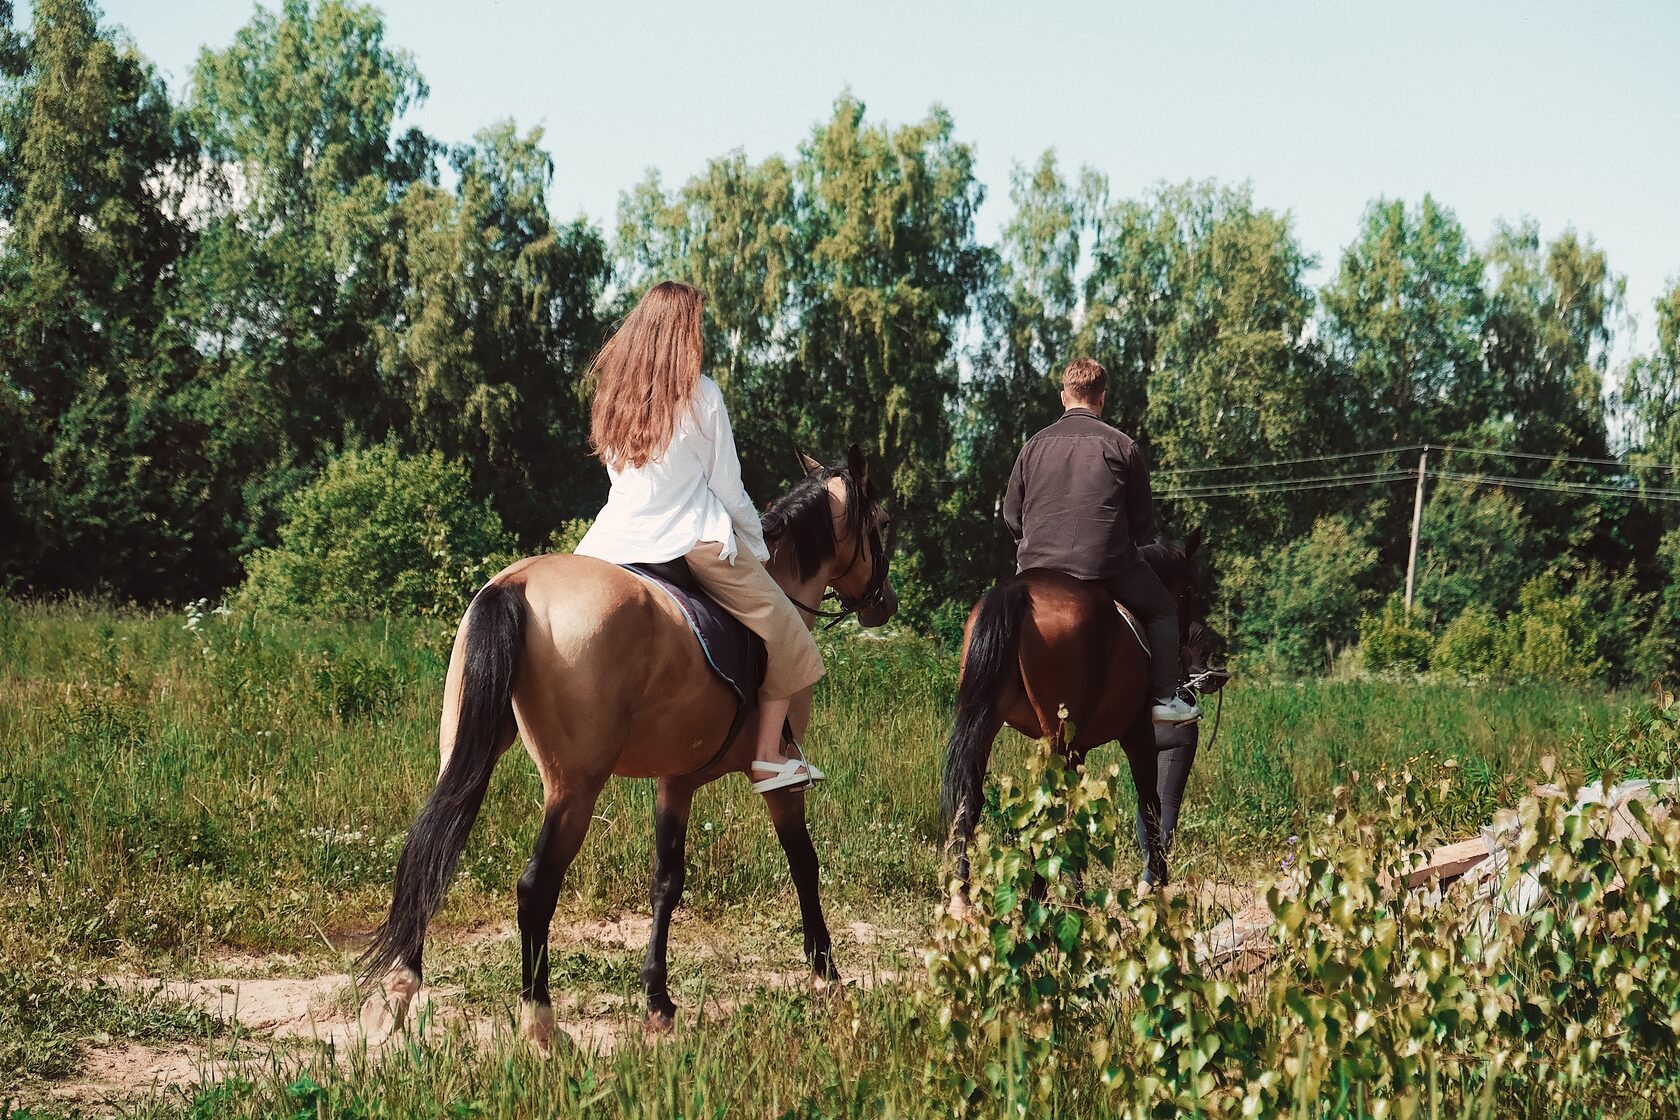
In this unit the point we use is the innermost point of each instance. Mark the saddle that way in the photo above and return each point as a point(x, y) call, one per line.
point(1131, 621)
point(737, 655)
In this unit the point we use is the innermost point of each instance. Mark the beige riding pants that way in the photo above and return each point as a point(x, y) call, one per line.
point(745, 590)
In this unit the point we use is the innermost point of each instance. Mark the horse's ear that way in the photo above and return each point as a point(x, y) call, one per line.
point(1192, 542)
point(856, 464)
point(806, 463)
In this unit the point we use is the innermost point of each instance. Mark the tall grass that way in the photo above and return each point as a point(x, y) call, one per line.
point(173, 785)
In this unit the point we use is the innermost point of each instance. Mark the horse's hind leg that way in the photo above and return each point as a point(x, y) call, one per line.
point(670, 838)
point(566, 814)
point(787, 813)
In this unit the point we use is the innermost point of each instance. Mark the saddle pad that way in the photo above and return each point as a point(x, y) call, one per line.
point(1137, 628)
point(735, 653)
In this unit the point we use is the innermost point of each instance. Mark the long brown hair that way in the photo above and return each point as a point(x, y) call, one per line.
point(645, 376)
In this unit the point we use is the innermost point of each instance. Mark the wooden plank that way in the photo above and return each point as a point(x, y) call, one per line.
point(1449, 862)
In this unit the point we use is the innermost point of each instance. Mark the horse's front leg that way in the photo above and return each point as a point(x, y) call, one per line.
point(1142, 756)
point(787, 813)
point(670, 841)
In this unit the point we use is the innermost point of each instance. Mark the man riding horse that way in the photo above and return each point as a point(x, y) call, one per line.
point(1047, 652)
point(1079, 503)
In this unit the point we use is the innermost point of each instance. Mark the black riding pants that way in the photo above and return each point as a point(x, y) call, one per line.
point(1142, 592)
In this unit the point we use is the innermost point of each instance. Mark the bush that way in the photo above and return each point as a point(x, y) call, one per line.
point(1472, 644)
point(1018, 993)
point(379, 533)
point(1298, 601)
point(1549, 988)
point(567, 537)
point(1550, 636)
point(1392, 639)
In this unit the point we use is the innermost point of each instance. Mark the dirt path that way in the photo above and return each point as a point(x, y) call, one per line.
point(287, 1018)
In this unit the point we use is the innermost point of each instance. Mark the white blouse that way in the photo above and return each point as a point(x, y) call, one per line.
point(690, 493)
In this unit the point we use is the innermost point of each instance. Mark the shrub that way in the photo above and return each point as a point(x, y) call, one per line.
point(1550, 635)
point(568, 535)
point(1472, 644)
point(379, 533)
point(1393, 639)
point(1019, 991)
point(1549, 988)
point(1301, 599)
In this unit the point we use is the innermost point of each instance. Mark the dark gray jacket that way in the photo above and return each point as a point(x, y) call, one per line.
point(1078, 498)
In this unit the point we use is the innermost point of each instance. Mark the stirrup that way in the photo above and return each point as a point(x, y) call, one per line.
point(795, 773)
point(799, 752)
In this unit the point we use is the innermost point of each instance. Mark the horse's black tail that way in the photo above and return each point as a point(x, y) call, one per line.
point(495, 626)
point(993, 645)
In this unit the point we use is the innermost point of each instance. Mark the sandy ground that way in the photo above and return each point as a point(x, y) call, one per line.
point(284, 1018)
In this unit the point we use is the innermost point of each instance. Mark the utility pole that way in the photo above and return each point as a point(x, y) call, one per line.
point(1417, 521)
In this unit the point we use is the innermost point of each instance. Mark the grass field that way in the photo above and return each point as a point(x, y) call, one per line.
point(206, 796)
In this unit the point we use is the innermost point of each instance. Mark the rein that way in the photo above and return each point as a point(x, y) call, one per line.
point(872, 591)
point(1218, 707)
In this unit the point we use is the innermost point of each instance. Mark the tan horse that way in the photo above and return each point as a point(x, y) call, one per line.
point(599, 674)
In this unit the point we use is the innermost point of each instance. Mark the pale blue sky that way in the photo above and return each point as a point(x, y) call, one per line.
point(1567, 113)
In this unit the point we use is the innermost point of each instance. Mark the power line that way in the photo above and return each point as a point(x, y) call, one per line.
point(1286, 485)
point(1558, 486)
point(1625, 466)
point(1291, 462)
point(1622, 463)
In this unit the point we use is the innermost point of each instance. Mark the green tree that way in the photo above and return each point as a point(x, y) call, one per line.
point(106, 479)
point(1652, 399)
point(1296, 603)
point(1471, 551)
point(1403, 320)
point(1548, 339)
point(888, 272)
point(1238, 380)
point(1029, 318)
point(287, 283)
point(495, 322)
point(729, 231)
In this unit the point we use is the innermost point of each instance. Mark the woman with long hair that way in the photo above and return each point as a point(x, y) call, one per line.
point(662, 431)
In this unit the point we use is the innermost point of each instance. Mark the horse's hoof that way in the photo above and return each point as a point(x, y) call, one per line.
point(1145, 888)
point(536, 1023)
point(661, 1022)
point(384, 1012)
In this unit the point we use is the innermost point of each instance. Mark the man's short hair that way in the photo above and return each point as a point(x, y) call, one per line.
point(1084, 379)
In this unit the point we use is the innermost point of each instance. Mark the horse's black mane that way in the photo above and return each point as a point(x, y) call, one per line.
point(801, 517)
point(1167, 559)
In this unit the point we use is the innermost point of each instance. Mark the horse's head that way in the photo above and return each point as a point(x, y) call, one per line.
point(1176, 565)
point(833, 516)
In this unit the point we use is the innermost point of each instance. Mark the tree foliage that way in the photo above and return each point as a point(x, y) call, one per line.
point(204, 304)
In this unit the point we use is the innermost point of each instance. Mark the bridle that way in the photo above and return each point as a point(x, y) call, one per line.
point(1186, 602)
point(872, 591)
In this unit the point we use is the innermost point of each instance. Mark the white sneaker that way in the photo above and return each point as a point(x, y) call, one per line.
point(1174, 710)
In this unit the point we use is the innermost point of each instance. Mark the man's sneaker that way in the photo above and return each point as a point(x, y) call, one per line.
point(1174, 710)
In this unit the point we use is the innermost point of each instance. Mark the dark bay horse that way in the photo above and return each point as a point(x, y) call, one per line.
point(598, 673)
point(1041, 641)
